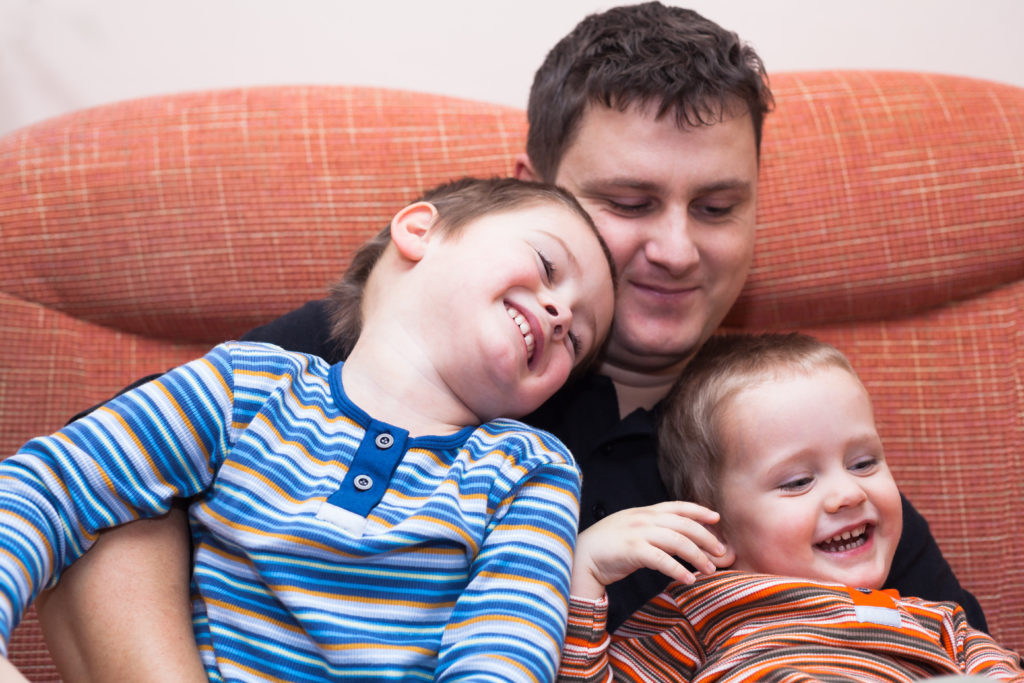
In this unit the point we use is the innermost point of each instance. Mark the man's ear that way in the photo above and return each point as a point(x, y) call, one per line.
point(410, 229)
point(524, 169)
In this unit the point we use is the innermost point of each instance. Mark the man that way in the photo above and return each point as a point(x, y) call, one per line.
point(667, 108)
point(651, 116)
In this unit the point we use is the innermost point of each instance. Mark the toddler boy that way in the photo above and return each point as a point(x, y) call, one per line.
point(776, 434)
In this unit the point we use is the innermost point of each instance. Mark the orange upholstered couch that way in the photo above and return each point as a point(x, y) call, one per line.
point(134, 236)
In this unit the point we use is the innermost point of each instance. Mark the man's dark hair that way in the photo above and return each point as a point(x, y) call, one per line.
point(457, 203)
point(668, 59)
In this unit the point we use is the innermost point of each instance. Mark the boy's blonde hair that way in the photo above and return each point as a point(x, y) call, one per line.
point(690, 446)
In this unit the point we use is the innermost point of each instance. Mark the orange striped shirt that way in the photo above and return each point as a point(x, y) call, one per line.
point(738, 626)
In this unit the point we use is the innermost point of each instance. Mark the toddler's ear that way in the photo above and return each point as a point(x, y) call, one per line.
point(410, 229)
point(728, 558)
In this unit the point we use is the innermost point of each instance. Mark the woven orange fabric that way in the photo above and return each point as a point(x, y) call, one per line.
point(891, 221)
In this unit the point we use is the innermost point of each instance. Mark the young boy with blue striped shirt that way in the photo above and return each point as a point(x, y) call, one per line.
point(375, 519)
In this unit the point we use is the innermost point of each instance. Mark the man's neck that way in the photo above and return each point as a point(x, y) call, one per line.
point(639, 389)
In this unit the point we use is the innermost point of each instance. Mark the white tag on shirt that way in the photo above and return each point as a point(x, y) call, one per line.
point(346, 520)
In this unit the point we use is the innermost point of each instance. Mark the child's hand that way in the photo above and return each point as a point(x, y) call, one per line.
point(648, 537)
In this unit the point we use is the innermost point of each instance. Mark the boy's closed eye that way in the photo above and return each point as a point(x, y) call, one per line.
point(576, 344)
point(550, 273)
point(547, 265)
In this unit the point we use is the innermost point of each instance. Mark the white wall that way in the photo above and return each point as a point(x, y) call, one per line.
point(59, 55)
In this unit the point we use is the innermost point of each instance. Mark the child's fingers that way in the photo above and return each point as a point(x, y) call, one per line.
point(668, 565)
point(661, 541)
point(694, 530)
point(697, 552)
point(685, 509)
point(651, 537)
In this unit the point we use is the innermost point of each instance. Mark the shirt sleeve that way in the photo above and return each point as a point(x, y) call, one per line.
point(984, 656)
point(128, 459)
point(585, 655)
point(657, 638)
point(509, 622)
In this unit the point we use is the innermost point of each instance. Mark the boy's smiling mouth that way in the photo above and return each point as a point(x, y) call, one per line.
point(848, 540)
point(524, 326)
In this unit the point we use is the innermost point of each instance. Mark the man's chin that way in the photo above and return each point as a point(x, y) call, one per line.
point(651, 354)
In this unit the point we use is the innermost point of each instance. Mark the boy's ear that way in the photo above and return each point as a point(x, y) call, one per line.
point(410, 229)
point(524, 169)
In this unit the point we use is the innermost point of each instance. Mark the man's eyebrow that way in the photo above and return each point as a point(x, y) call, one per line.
point(729, 185)
point(599, 185)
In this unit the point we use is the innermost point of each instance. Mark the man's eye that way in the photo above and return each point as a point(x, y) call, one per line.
point(714, 211)
point(632, 208)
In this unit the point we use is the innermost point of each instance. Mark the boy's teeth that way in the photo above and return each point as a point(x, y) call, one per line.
point(524, 327)
point(833, 543)
point(847, 535)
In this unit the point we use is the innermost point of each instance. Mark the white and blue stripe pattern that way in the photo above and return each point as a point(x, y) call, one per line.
point(457, 569)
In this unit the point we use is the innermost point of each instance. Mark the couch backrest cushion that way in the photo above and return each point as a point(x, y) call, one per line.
point(885, 194)
point(195, 217)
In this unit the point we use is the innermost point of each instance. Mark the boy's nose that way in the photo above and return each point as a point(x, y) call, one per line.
point(845, 493)
point(561, 319)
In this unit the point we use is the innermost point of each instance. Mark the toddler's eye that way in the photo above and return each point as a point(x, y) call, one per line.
point(864, 465)
point(797, 484)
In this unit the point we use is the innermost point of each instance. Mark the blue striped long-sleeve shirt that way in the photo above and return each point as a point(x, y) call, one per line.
point(328, 545)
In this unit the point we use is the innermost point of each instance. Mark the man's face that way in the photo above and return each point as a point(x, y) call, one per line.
point(676, 207)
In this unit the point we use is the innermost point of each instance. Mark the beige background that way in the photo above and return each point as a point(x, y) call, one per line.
point(59, 55)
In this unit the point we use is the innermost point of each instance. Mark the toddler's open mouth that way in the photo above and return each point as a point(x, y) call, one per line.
point(848, 540)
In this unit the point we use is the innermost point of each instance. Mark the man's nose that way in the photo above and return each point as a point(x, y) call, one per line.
point(671, 243)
